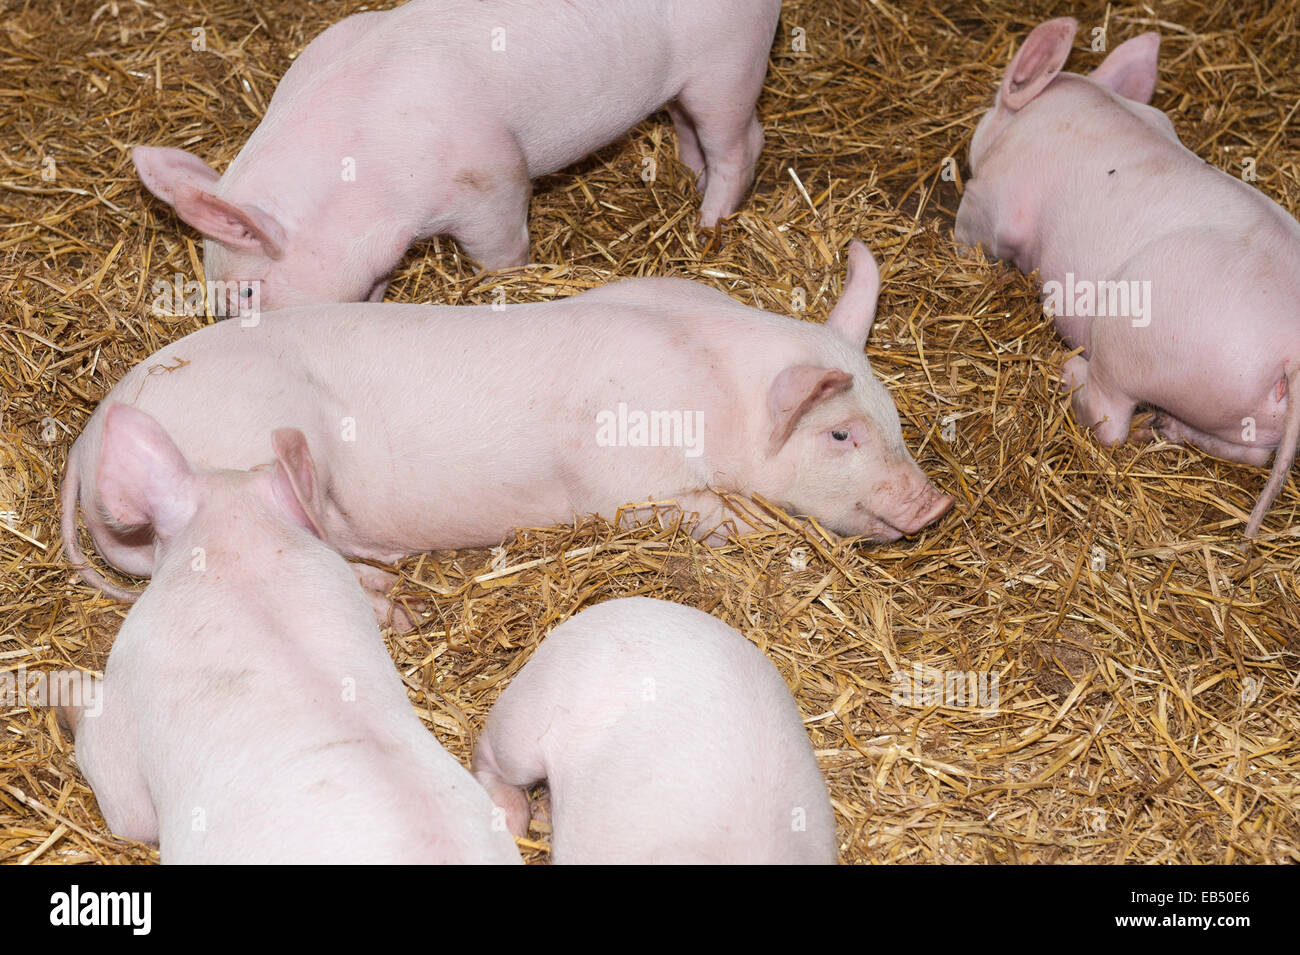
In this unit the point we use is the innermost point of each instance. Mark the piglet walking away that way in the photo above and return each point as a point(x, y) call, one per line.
point(250, 711)
point(441, 427)
point(432, 118)
point(1180, 283)
point(664, 736)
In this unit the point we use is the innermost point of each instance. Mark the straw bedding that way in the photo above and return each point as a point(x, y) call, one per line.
point(1145, 656)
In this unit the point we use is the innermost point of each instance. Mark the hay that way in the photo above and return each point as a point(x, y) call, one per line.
point(1148, 704)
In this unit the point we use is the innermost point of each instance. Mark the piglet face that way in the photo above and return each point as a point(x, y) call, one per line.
point(836, 434)
point(852, 471)
point(254, 282)
point(246, 282)
point(252, 260)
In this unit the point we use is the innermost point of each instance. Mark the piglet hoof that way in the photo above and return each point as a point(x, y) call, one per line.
point(1144, 429)
point(540, 806)
point(1074, 375)
point(377, 583)
point(712, 235)
point(391, 614)
point(1166, 429)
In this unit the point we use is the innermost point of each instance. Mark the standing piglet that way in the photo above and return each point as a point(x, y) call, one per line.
point(250, 711)
point(664, 736)
point(1180, 283)
point(432, 118)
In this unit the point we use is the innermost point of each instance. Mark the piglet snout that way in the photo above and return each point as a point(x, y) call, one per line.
point(926, 508)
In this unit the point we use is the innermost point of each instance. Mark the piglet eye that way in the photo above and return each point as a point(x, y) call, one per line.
point(840, 435)
point(246, 293)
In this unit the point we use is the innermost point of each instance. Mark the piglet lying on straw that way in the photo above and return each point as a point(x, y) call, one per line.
point(664, 736)
point(249, 710)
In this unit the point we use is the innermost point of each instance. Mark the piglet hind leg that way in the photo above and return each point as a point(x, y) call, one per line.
point(730, 138)
point(506, 794)
point(106, 752)
point(492, 193)
point(1178, 432)
point(1095, 406)
point(688, 144)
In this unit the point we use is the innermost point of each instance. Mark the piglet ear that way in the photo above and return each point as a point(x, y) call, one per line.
point(295, 485)
point(162, 169)
point(855, 312)
point(142, 476)
point(1037, 62)
point(796, 391)
point(187, 184)
point(1131, 69)
point(243, 228)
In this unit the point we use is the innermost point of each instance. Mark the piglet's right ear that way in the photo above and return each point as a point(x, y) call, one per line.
point(1132, 68)
point(295, 484)
point(1037, 62)
point(855, 312)
point(244, 228)
point(142, 476)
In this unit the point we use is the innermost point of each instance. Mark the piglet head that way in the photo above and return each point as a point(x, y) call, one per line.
point(1038, 61)
point(145, 481)
point(1129, 71)
point(251, 259)
point(839, 429)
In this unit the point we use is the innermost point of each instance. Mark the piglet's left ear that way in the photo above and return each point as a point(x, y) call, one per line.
point(796, 391)
point(1037, 62)
point(1131, 69)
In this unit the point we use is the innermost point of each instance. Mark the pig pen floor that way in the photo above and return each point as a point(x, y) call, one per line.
point(1144, 657)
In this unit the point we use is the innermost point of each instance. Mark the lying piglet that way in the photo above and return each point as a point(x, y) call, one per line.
point(432, 118)
point(440, 427)
point(250, 711)
point(1179, 282)
point(664, 736)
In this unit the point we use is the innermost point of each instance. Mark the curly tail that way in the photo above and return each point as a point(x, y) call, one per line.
point(1285, 455)
point(69, 494)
